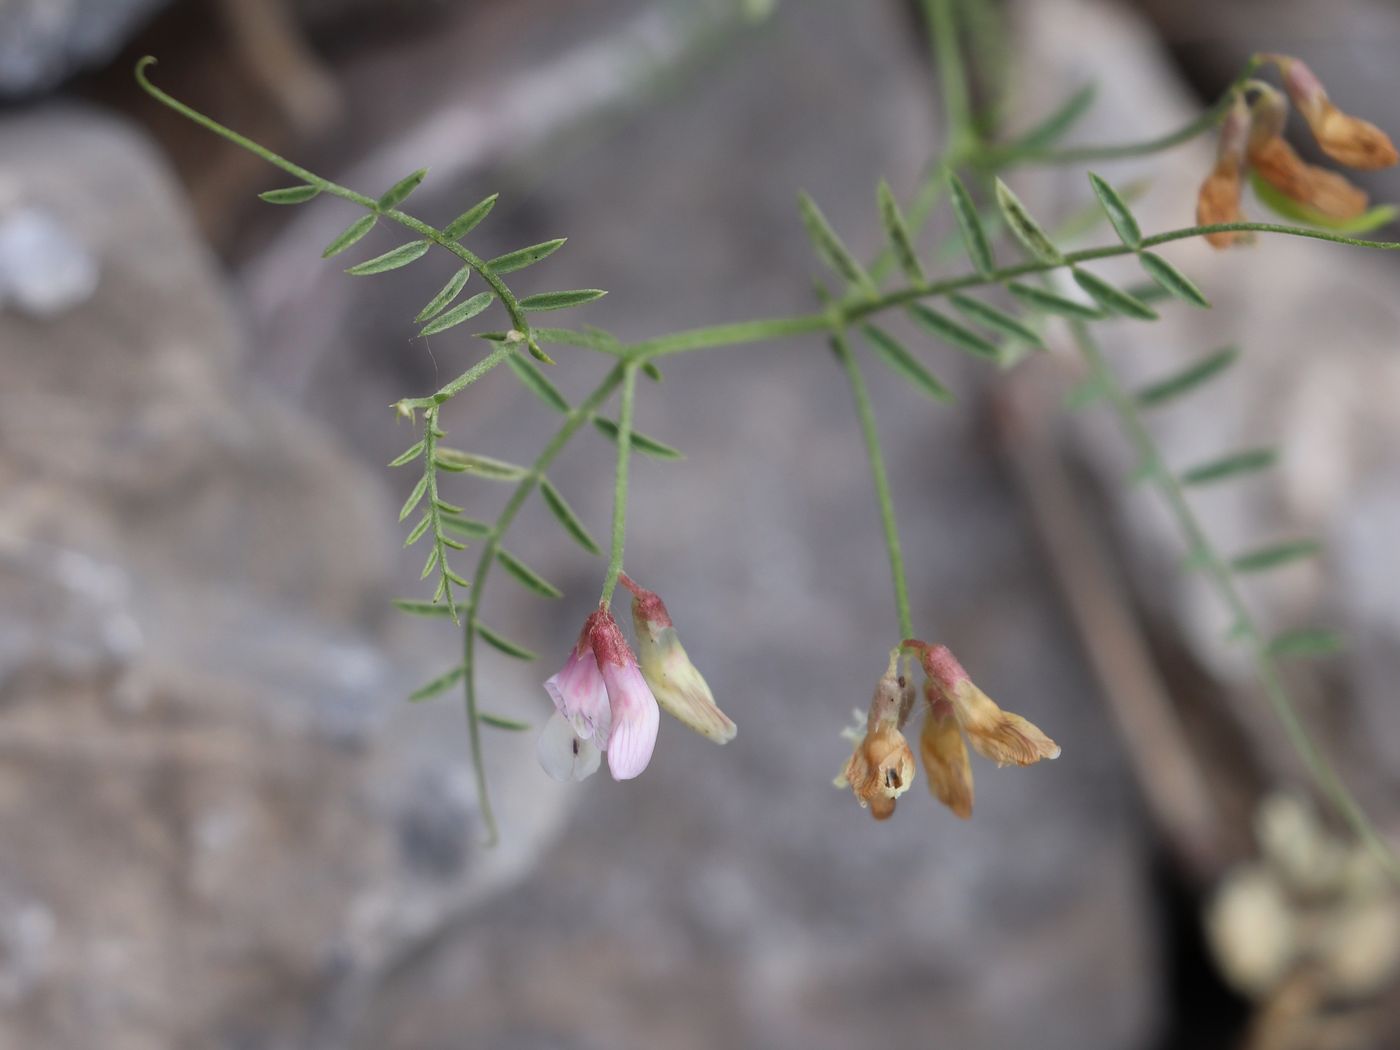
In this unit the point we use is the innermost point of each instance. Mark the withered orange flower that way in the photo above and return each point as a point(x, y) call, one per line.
point(881, 766)
point(1219, 198)
point(944, 752)
point(1324, 191)
point(1349, 140)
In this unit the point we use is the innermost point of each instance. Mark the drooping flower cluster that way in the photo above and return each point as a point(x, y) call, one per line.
point(606, 701)
point(881, 766)
point(1251, 139)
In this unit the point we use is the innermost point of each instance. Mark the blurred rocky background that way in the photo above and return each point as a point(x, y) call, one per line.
point(221, 826)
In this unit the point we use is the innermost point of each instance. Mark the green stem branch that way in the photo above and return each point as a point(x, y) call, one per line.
point(866, 412)
point(1008, 155)
point(855, 309)
point(503, 293)
point(1222, 578)
point(624, 456)
point(577, 417)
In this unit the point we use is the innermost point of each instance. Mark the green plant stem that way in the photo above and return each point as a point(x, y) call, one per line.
point(854, 309)
point(624, 456)
point(952, 74)
point(866, 412)
point(508, 300)
point(1008, 155)
point(577, 417)
point(1222, 578)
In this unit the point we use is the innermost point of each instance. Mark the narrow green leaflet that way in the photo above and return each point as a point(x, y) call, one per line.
point(1111, 298)
point(1275, 555)
point(418, 530)
point(1050, 303)
point(830, 247)
point(518, 260)
point(1118, 212)
point(904, 364)
point(1188, 379)
point(897, 233)
point(449, 291)
point(408, 455)
point(1250, 461)
point(503, 644)
point(561, 300)
point(527, 576)
point(391, 260)
point(399, 191)
point(951, 332)
point(1312, 642)
point(468, 220)
point(567, 518)
point(438, 685)
point(1050, 130)
point(1172, 280)
point(640, 442)
point(974, 235)
point(1026, 229)
point(349, 236)
point(480, 466)
point(537, 382)
point(464, 311)
point(467, 526)
point(417, 608)
point(990, 317)
point(414, 497)
point(290, 195)
point(513, 725)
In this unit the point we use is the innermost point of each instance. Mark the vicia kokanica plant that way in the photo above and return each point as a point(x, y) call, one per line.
point(607, 699)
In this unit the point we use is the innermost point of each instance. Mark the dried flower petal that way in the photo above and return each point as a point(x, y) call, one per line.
point(1219, 197)
point(946, 762)
point(881, 766)
point(1354, 142)
point(1001, 736)
point(1324, 191)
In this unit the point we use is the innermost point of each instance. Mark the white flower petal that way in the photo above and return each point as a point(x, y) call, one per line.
point(562, 754)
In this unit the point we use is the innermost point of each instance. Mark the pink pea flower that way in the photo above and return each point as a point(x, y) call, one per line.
point(579, 692)
point(635, 715)
point(602, 704)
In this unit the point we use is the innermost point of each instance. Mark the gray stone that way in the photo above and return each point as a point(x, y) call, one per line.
point(44, 269)
point(219, 819)
point(44, 41)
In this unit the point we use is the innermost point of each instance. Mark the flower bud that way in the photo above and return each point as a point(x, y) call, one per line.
point(679, 688)
point(1350, 140)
